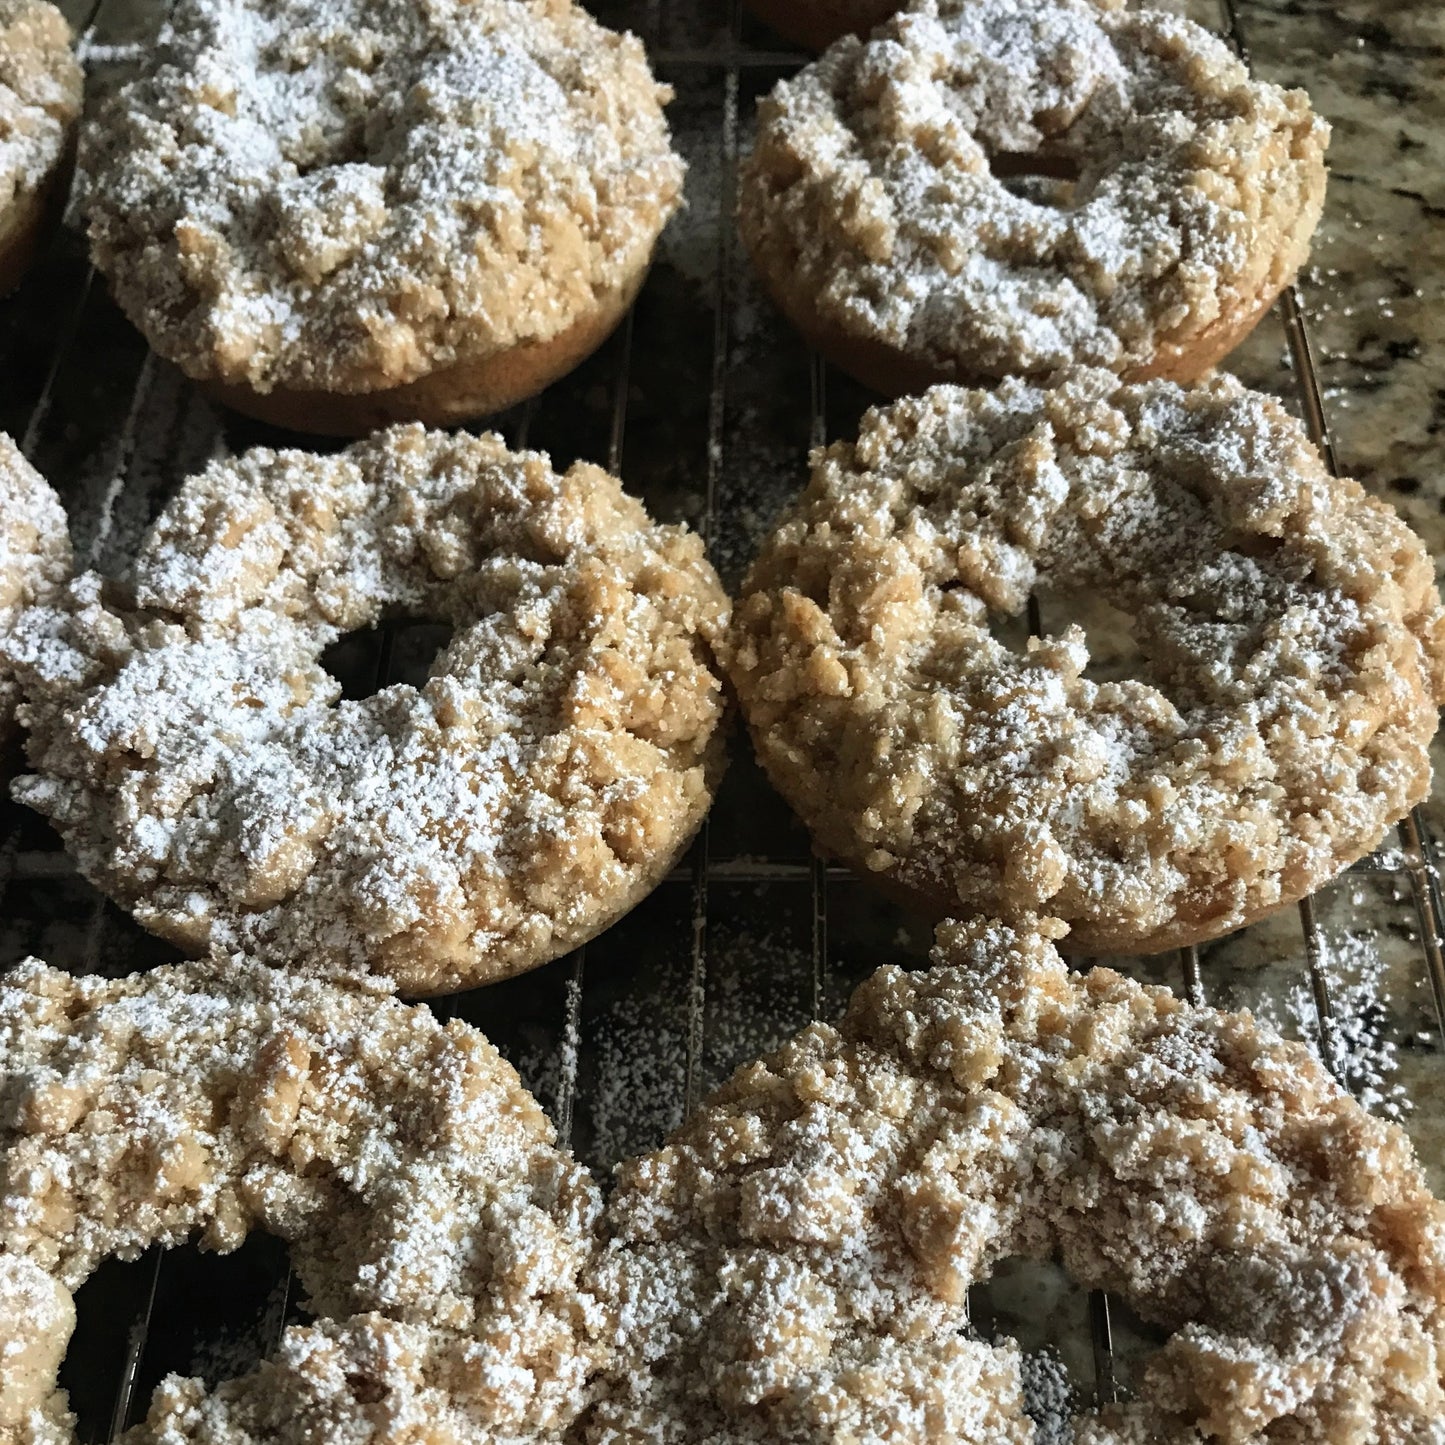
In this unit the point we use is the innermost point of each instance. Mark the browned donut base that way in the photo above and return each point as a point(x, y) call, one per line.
point(446, 981)
point(25, 227)
point(816, 24)
point(475, 387)
point(893, 372)
point(1098, 939)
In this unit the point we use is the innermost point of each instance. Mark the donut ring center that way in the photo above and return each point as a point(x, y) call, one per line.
point(232, 1305)
point(1048, 179)
point(402, 651)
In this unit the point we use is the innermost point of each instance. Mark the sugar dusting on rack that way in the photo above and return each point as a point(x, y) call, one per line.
point(1357, 1048)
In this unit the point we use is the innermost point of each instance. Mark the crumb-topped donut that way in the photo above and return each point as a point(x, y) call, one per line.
point(1292, 658)
point(434, 1226)
point(991, 188)
point(194, 754)
point(793, 1265)
point(343, 213)
point(40, 92)
point(34, 560)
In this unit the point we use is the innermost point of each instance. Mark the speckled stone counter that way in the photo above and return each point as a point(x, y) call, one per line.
point(1375, 284)
point(1376, 279)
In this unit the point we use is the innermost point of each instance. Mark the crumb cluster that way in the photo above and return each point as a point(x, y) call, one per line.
point(40, 95)
point(34, 560)
point(793, 1265)
point(999, 188)
point(436, 1230)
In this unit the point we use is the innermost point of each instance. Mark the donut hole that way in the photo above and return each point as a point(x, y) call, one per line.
point(397, 652)
point(1011, 630)
point(349, 148)
point(105, 1310)
point(1039, 1305)
point(1036, 1304)
point(1114, 654)
point(1045, 180)
point(212, 1315)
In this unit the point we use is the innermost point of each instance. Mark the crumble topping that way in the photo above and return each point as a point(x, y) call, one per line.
point(204, 771)
point(1291, 640)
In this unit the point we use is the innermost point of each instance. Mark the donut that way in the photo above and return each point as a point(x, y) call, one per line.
point(34, 563)
point(40, 93)
point(192, 751)
point(339, 214)
point(438, 1233)
point(816, 24)
point(993, 188)
point(793, 1265)
point(1291, 641)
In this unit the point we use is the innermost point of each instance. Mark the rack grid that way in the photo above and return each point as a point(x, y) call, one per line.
point(707, 405)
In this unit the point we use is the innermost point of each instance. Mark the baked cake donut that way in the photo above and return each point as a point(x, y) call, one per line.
point(338, 214)
point(193, 753)
point(992, 188)
point(40, 93)
point(793, 1266)
point(1292, 658)
point(438, 1233)
point(34, 562)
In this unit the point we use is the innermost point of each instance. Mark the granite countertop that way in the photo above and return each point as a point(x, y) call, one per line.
point(1376, 278)
point(1373, 293)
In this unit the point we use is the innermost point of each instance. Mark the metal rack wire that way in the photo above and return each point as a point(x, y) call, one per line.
point(115, 429)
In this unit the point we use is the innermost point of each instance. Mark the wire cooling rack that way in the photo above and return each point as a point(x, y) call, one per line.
point(707, 405)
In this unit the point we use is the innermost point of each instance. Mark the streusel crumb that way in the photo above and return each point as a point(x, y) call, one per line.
point(433, 1225)
point(34, 560)
point(1004, 187)
point(792, 1268)
point(40, 94)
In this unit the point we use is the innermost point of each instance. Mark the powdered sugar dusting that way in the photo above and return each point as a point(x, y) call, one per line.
point(1354, 1042)
point(34, 559)
point(1292, 656)
point(1048, 1396)
point(40, 87)
point(792, 1266)
point(431, 1221)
